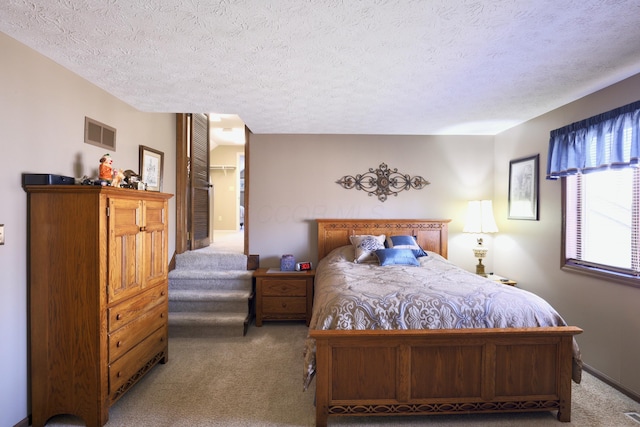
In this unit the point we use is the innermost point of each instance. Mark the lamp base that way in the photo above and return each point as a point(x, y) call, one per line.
point(480, 268)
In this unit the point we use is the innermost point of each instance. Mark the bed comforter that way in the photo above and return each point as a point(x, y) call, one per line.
point(435, 295)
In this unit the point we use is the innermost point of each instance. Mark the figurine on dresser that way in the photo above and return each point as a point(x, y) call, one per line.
point(105, 171)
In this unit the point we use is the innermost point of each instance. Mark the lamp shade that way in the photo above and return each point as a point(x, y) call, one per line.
point(480, 217)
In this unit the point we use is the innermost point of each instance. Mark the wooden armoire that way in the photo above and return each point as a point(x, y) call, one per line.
point(98, 296)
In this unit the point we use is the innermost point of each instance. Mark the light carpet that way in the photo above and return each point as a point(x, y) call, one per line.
point(256, 380)
point(226, 241)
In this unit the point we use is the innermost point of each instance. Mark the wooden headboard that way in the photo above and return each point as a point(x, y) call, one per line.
point(432, 234)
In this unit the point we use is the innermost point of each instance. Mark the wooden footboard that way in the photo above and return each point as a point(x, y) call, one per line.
point(419, 372)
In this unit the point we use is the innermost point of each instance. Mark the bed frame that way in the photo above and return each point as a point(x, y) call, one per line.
point(451, 371)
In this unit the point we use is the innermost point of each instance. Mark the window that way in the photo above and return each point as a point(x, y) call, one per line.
point(601, 222)
point(597, 160)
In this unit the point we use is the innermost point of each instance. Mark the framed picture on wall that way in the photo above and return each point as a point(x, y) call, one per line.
point(523, 188)
point(151, 167)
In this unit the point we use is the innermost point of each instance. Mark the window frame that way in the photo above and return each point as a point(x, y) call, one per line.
point(590, 269)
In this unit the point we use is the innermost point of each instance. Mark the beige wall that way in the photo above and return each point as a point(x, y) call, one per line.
point(529, 251)
point(43, 107)
point(293, 182)
point(226, 191)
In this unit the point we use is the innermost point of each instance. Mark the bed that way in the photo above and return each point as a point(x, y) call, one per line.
point(368, 367)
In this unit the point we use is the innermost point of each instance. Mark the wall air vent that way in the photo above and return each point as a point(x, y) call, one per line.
point(99, 134)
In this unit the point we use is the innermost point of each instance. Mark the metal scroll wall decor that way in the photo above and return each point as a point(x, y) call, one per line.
point(382, 182)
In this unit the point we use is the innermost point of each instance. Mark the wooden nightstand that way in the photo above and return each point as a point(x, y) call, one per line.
point(501, 279)
point(283, 295)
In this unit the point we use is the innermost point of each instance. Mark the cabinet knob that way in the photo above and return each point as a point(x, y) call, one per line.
point(284, 305)
point(118, 316)
point(119, 374)
point(119, 344)
point(161, 315)
point(143, 228)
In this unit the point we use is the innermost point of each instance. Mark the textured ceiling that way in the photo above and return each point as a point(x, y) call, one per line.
point(340, 66)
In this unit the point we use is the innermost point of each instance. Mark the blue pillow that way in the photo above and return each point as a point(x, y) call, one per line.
point(405, 242)
point(396, 257)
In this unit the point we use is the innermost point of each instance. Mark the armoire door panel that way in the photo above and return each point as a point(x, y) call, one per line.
point(155, 248)
point(125, 248)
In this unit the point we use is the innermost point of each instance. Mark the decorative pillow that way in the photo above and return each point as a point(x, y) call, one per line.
point(365, 246)
point(396, 257)
point(405, 242)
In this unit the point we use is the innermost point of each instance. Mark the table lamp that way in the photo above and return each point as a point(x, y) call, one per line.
point(480, 220)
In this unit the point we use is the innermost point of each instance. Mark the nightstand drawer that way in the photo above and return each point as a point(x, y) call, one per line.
point(284, 305)
point(282, 287)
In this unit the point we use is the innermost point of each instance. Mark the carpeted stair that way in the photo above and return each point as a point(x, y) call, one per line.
point(210, 294)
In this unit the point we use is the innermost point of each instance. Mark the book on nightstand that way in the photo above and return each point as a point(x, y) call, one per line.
point(501, 279)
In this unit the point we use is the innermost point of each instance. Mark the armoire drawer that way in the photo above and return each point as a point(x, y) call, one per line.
point(132, 308)
point(135, 331)
point(133, 361)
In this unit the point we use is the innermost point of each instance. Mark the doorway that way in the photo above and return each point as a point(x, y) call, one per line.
point(227, 198)
point(183, 162)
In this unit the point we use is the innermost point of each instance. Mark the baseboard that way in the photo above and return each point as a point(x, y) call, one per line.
point(23, 423)
point(610, 382)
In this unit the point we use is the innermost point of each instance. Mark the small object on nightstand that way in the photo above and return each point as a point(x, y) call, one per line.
point(303, 266)
point(501, 279)
point(287, 263)
point(253, 262)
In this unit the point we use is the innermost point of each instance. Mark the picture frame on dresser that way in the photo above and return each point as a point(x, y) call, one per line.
point(151, 167)
point(524, 188)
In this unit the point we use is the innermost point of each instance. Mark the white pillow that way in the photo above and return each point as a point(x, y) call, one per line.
point(365, 246)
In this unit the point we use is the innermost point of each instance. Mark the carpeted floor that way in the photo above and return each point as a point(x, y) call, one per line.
point(226, 241)
point(256, 380)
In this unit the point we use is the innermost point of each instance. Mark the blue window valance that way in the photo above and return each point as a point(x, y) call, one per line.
point(608, 140)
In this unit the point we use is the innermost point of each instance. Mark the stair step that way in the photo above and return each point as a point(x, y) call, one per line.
point(208, 295)
point(204, 260)
point(210, 274)
point(205, 285)
point(209, 301)
point(208, 281)
point(187, 273)
point(207, 324)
